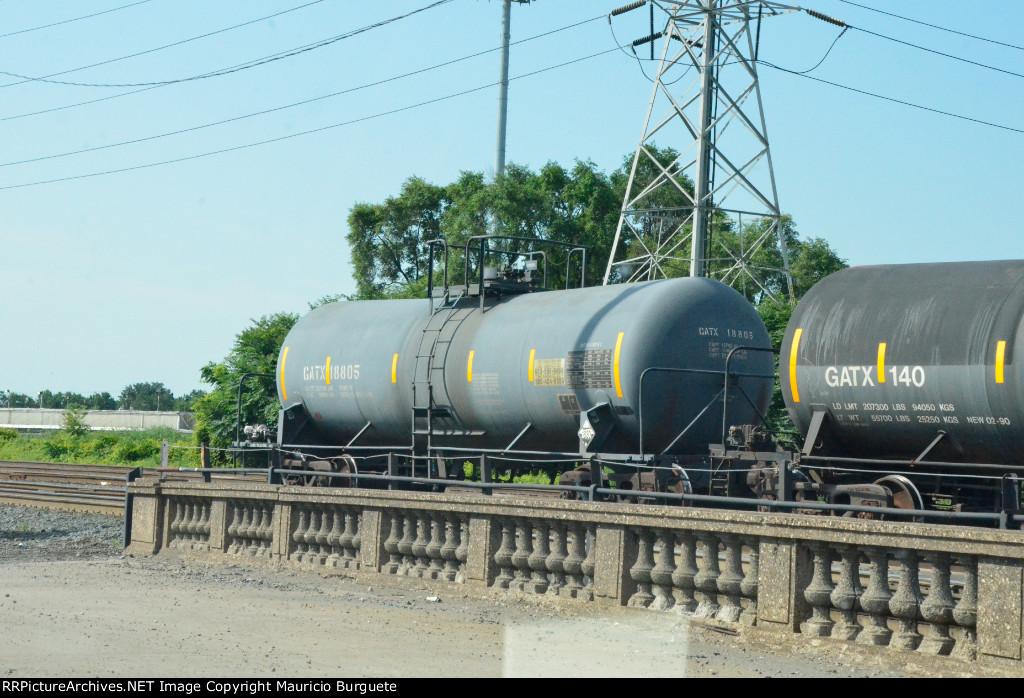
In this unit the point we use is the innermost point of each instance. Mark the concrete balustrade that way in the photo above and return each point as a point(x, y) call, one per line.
point(910, 587)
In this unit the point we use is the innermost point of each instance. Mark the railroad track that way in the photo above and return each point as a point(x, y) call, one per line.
point(82, 487)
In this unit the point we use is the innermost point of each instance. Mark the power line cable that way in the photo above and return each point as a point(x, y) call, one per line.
point(75, 19)
point(845, 25)
point(303, 102)
point(220, 71)
point(893, 99)
point(247, 65)
point(310, 131)
point(818, 64)
point(940, 53)
point(935, 26)
point(165, 46)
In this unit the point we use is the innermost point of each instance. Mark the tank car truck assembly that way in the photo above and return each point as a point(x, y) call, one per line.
point(900, 380)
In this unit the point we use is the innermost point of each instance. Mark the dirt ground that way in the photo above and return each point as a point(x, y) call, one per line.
point(72, 605)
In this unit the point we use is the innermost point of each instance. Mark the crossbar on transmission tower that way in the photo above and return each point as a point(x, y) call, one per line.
point(721, 180)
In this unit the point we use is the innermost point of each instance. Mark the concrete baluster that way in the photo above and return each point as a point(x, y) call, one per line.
point(405, 545)
point(706, 579)
point(937, 608)
point(450, 531)
point(589, 562)
point(391, 545)
point(556, 559)
point(538, 560)
point(335, 536)
point(573, 563)
point(905, 605)
point(966, 611)
point(686, 571)
point(462, 551)
point(641, 569)
point(818, 593)
point(298, 535)
point(419, 547)
point(323, 536)
point(503, 556)
point(731, 580)
point(846, 594)
point(521, 557)
point(436, 565)
point(875, 600)
point(661, 574)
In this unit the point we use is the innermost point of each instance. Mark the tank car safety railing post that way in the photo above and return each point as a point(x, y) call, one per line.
point(583, 266)
point(725, 399)
point(238, 416)
point(482, 251)
point(543, 256)
point(431, 244)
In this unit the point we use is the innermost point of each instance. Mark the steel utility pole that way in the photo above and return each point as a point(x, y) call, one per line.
point(506, 32)
point(722, 178)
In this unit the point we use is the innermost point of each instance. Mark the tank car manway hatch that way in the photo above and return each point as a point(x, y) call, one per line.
point(504, 373)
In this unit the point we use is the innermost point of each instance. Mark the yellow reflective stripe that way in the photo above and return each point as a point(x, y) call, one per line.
point(529, 370)
point(284, 357)
point(328, 370)
point(469, 368)
point(792, 364)
point(1000, 360)
point(394, 368)
point(618, 351)
point(881, 362)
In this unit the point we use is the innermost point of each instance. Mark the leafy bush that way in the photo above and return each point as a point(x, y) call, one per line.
point(7, 434)
point(74, 422)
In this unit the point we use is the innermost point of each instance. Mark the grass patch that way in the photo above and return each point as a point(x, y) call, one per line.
point(133, 448)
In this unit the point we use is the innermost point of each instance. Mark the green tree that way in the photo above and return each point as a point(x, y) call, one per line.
point(387, 239)
point(52, 400)
point(101, 401)
point(146, 396)
point(255, 351)
point(572, 206)
point(185, 403)
point(74, 423)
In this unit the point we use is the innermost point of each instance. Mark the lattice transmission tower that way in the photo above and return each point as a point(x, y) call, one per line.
point(713, 210)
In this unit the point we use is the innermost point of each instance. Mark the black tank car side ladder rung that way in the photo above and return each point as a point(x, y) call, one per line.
point(424, 412)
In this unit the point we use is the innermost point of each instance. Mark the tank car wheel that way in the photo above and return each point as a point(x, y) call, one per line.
point(905, 494)
point(680, 484)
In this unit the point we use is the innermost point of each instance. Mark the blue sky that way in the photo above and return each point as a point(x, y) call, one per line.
point(147, 275)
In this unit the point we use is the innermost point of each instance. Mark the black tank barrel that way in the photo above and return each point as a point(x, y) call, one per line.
point(536, 359)
point(895, 354)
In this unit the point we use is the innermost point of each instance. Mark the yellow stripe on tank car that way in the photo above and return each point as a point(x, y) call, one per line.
point(529, 370)
point(394, 368)
point(1000, 360)
point(792, 364)
point(328, 370)
point(881, 362)
point(284, 357)
point(469, 368)
point(615, 365)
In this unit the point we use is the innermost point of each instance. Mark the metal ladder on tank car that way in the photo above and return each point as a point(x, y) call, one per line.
point(720, 478)
point(427, 372)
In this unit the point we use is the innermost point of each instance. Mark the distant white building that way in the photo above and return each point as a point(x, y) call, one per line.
point(29, 420)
